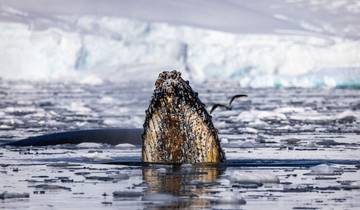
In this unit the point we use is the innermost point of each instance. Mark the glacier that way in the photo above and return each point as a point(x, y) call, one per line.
point(93, 48)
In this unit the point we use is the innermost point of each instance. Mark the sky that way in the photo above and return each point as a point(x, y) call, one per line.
point(339, 17)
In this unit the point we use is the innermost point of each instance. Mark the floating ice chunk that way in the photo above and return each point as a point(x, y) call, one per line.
point(258, 124)
point(96, 156)
point(251, 130)
point(255, 115)
point(247, 116)
point(352, 185)
point(224, 140)
point(89, 145)
point(112, 121)
point(7, 195)
point(220, 124)
point(284, 128)
point(314, 117)
point(23, 86)
point(106, 100)
point(12, 121)
point(347, 116)
point(125, 145)
point(355, 185)
point(230, 198)
point(324, 169)
point(78, 107)
point(224, 181)
point(265, 115)
point(247, 178)
point(21, 110)
point(5, 127)
point(290, 110)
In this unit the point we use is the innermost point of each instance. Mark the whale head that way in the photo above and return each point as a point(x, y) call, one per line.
point(177, 127)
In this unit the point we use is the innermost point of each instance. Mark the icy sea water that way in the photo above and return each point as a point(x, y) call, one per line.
point(269, 124)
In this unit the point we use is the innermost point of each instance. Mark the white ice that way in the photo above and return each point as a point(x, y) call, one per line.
point(282, 43)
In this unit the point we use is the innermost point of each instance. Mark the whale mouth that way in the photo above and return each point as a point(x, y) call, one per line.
point(177, 128)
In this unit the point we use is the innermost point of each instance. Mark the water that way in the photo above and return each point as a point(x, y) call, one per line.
point(274, 124)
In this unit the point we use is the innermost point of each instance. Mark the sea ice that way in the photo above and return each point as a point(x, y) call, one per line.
point(228, 197)
point(324, 169)
point(125, 145)
point(7, 195)
point(247, 178)
point(89, 145)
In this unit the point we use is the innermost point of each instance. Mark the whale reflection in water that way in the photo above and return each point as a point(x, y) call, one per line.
point(180, 186)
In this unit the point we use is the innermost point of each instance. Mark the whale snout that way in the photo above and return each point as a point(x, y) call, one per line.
point(168, 83)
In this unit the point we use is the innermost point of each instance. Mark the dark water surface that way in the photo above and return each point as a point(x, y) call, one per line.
point(276, 124)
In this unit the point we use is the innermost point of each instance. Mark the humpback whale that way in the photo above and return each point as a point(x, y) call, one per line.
point(177, 127)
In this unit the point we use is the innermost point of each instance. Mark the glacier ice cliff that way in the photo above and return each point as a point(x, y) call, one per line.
point(93, 49)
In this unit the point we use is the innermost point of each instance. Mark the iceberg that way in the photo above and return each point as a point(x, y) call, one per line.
point(90, 48)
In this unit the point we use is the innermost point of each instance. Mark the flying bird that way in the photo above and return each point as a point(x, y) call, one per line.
point(227, 107)
point(219, 105)
point(235, 97)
